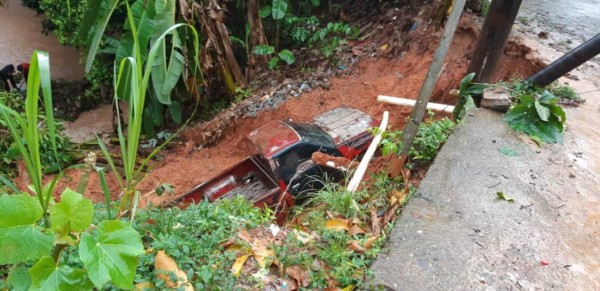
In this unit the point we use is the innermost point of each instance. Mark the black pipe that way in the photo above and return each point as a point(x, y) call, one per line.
point(566, 63)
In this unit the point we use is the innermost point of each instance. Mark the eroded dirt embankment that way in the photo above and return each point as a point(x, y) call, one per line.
point(213, 146)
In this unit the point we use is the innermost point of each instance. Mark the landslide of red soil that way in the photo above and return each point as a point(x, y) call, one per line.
point(185, 166)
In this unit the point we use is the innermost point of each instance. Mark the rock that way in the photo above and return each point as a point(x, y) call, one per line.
point(497, 99)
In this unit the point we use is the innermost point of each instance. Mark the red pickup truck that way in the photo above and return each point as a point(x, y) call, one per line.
point(280, 169)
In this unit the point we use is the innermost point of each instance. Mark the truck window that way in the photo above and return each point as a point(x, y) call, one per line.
point(289, 161)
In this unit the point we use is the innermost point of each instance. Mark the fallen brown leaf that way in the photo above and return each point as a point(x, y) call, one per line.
point(375, 228)
point(302, 277)
point(337, 224)
point(227, 243)
point(236, 268)
point(263, 255)
point(355, 246)
point(245, 236)
point(355, 229)
point(398, 197)
point(143, 286)
point(390, 214)
point(165, 265)
point(370, 241)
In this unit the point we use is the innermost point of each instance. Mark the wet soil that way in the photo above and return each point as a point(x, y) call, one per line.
point(193, 161)
point(21, 34)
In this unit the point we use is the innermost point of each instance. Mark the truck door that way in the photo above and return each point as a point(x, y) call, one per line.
point(301, 175)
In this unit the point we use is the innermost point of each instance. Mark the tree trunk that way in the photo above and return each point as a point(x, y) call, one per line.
point(256, 36)
point(217, 49)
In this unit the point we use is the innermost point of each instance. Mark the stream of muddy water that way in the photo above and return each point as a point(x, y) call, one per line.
point(21, 34)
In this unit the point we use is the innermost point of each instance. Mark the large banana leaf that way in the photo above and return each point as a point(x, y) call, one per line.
point(169, 63)
point(143, 14)
point(96, 16)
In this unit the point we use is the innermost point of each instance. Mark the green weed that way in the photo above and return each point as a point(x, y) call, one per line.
point(539, 116)
point(193, 238)
point(431, 136)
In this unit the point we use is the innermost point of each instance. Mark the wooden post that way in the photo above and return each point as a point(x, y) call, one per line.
point(416, 116)
point(493, 38)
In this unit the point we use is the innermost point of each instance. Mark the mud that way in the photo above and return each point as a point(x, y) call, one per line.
point(21, 34)
point(211, 147)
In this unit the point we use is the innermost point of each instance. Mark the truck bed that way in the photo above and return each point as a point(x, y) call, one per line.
point(344, 123)
point(245, 178)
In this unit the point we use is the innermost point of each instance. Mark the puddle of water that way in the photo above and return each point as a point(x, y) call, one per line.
point(21, 33)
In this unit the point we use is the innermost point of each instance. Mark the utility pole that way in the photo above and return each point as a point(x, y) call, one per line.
point(416, 116)
point(494, 35)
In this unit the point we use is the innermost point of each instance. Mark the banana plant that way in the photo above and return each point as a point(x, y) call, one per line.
point(132, 81)
point(151, 18)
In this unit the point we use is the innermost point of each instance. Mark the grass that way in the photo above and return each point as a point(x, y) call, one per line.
point(230, 244)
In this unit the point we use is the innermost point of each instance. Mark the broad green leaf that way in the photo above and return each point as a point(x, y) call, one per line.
point(175, 68)
point(100, 19)
point(46, 275)
point(503, 196)
point(389, 148)
point(287, 56)
point(265, 11)
point(72, 213)
point(548, 98)
point(273, 62)
point(175, 112)
point(559, 113)
point(527, 115)
point(263, 49)
point(19, 279)
point(475, 89)
point(111, 254)
point(542, 111)
point(279, 9)
point(21, 240)
point(466, 81)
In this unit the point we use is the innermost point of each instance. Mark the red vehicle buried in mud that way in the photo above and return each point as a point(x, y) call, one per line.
point(280, 171)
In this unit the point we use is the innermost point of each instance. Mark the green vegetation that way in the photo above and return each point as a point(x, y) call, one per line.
point(539, 116)
point(464, 96)
point(272, 31)
point(535, 110)
point(24, 130)
point(132, 84)
point(194, 238)
point(431, 136)
point(106, 253)
point(50, 161)
point(38, 236)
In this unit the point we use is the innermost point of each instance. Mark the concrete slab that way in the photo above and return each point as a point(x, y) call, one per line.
point(455, 234)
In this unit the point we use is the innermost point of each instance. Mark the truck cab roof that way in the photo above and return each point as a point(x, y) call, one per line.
point(276, 136)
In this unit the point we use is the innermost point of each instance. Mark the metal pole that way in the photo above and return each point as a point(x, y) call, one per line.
point(566, 63)
point(416, 116)
point(492, 40)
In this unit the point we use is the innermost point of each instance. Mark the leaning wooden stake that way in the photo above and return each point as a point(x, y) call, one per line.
point(416, 116)
point(364, 163)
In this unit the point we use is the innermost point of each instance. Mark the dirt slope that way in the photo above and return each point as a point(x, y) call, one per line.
point(357, 86)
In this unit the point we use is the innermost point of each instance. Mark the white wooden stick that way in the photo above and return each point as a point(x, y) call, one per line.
point(411, 102)
point(362, 167)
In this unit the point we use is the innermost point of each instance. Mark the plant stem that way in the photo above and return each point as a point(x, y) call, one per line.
point(57, 251)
